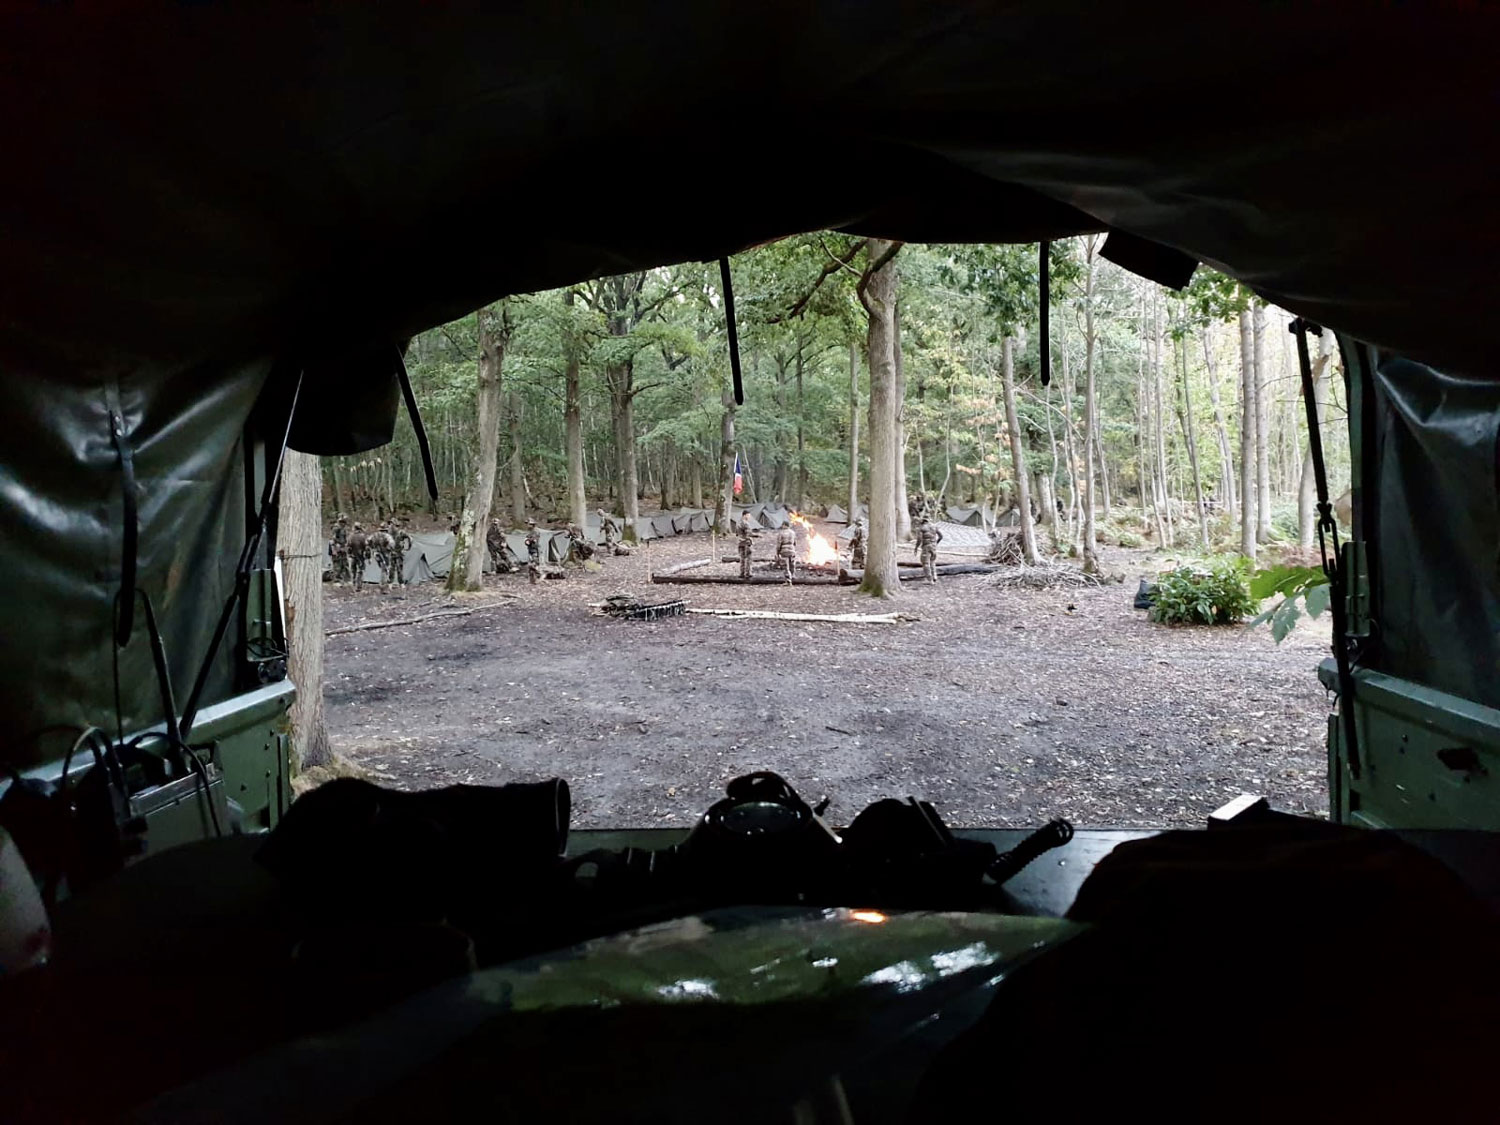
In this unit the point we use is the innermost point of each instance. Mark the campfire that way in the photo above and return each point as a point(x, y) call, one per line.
point(820, 550)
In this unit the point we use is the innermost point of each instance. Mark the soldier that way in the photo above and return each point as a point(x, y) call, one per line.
point(382, 544)
point(401, 542)
point(494, 542)
point(611, 531)
point(580, 550)
point(786, 549)
point(339, 551)
point(533, 552)
point(359, 550)
point(857, 547)
point(747, 532)
point(928, 538)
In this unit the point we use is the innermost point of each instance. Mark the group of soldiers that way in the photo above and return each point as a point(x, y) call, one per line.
point(353, 549)
point(929, 535)
point(580, 548)
point(786, 547)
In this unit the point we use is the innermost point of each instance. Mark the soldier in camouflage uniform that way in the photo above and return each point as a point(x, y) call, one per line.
point(857, 547)
point(359, 552)
point(533, 552)
point(400, 543)
point(494, 542)
point(580, 550)
point(786, 549)
point(382, 544)
point(339, 550)
point(610, 530)
point(747, 533)
point(928, 538)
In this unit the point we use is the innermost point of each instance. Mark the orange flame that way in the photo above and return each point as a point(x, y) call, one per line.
point(820, 550)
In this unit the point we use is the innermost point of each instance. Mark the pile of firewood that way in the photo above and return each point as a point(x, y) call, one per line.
point(1050, 575)
point(1005, 548)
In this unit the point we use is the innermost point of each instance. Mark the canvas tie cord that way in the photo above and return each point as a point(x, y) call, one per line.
point(1328, 548)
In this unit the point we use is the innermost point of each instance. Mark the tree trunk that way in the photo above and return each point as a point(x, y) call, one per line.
point(695, 476)
point(573, 426)
point(1191, 434)
point(1226, 454)
point(853, 430)
point(881, 576)
point(1164, 511)
point(1075, 500)
point(1262, 427)
point(469, 550)
point(517, 477)
point(1248, 492)
point(724, 506)
point(340, 495)
point(1103, 461)
point(299, 530)
point(801, 433)
point(1017, 453)
point(1307, 492)
point(779, 473)
point(903, 506)
point(1090, 438)
point(624, 412)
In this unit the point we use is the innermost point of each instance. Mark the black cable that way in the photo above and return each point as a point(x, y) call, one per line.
point(734, 332)
point(418, 428)
point(1046, 314)
point(242, 570)
point(202, 772)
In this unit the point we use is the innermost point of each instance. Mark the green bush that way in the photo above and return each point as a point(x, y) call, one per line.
point(1216, 593)
point(1129, 539)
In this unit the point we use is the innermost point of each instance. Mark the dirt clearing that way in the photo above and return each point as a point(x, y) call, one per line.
point(1002, 707)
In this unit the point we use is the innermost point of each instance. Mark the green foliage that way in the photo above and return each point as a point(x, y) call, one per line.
point(1305, 584)
point(1215, 594)
point(1129, 539)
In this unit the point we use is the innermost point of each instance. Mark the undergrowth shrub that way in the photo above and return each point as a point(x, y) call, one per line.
point(1212, 593)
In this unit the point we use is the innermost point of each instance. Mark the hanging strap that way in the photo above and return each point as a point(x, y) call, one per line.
point(125, 604)
point(1045, 343)
point(1328, 537)
point(417, 427)
point(734, 332)
point(242, 570)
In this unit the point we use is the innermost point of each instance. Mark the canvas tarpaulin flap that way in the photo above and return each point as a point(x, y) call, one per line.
point(181, 202)
point(61, 542)
point(1434, 526)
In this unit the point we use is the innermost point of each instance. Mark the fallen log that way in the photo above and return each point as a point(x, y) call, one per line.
point(914, 574)
point(680, 567)
point(666, 578)
point(843, 618)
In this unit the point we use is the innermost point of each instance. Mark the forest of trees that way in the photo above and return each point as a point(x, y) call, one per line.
point(873, 370)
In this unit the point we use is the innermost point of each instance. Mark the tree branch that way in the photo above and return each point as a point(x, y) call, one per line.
point(829, 270)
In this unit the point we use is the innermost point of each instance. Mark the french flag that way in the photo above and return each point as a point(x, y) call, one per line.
point(739, 477)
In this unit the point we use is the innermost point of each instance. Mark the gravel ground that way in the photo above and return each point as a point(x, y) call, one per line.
point(1003, 707)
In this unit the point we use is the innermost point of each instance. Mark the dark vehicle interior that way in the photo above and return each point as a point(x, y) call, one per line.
point(221, 225)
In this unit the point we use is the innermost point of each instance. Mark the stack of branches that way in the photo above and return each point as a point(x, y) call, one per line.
point(1005, 548)
point(1048, 576)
